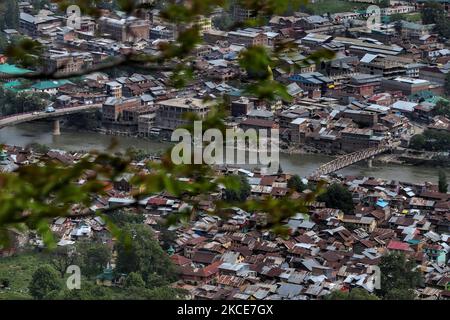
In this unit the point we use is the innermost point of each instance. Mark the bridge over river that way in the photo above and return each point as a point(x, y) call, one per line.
point(31, 116)
point(349, 159)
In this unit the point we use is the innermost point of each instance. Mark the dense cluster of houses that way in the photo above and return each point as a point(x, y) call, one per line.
point(234, 257)
point(379, 85)
point(327, 249)
point(379, 81)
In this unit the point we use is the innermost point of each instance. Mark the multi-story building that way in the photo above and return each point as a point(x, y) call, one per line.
point(248, 38)
point(407, 86)
point(313, 81)
point(363, 84)
point(114, 89)
point(212, 36)
point(433, 74)
point(416, 30)
point(113, 108)
point(362, 46)
point(203, 23)
point(388, 68)
point(87, 25)
point(35, 25)
point(171, 113)
point(241, 14)
point(241, 107)
point(444, 3)
point(66, 63)
point(166, 32)
point(361, 117)
point(353, 139)
point(146, 122)
point(125, 30)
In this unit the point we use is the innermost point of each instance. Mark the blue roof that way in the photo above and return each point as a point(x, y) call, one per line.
point(12, 69)
point(14, 86)
point(43, 85)
point(381, 203)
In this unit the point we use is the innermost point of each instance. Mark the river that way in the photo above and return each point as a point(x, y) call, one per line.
point(40, 132)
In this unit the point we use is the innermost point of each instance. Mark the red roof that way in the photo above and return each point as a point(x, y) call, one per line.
point(180, 260)
point(201, 272)
point(157, 201)
point(398, 245)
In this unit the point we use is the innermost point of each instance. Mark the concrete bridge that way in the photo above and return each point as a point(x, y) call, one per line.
point(349, 159)
point(31, 116)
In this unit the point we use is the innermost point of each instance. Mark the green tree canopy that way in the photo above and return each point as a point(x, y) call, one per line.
point(443, 185)
point(94, 258)
point(45, 280)
point(354, 294)
point(134, 280)
point(398, 276)
point(62, 257)
point(142, 254)
point(434, 13)
point(296, 183)
point(447, 84)
point(338, 197)
point(442, 108)
point(240, 192)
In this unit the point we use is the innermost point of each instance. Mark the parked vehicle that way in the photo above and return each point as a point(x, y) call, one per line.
point(49, 109)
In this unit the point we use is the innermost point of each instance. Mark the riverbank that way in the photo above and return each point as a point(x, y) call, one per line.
point(302, 164)
point(415, 158)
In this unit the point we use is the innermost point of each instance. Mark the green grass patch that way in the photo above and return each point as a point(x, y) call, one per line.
point(18, 270)
point(413, 17)
point(333, 6)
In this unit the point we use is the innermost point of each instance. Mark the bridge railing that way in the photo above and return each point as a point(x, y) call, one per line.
point(349, 159)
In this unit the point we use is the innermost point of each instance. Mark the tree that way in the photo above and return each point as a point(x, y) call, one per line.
point(396, 17)
point(296, 183)
point(39, 4)
point(431, 140)
point(398, 26)
point(11, 20)
point(121, 218)
point(3, 42)
point(447, 84)
point(433, 13)
point(39, 148)
point(45, 280)
point(417, 142)
point(400, 294)
point(165, 293)
point(51, 190)
point(223, 22)
point(155, 281)
point(95, 257)
point(384, 3)
point(338, 197)
point(88, 291)
point(354, 294)
point(63, 257)
point(442, 108)
point(142, 254)
point(240, 192)
point(398, 277)
point(4, 283)
point(134, 280)
point(443, 185)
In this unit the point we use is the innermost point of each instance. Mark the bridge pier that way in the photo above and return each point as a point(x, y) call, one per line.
point(56, 128)
point(369, 162)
